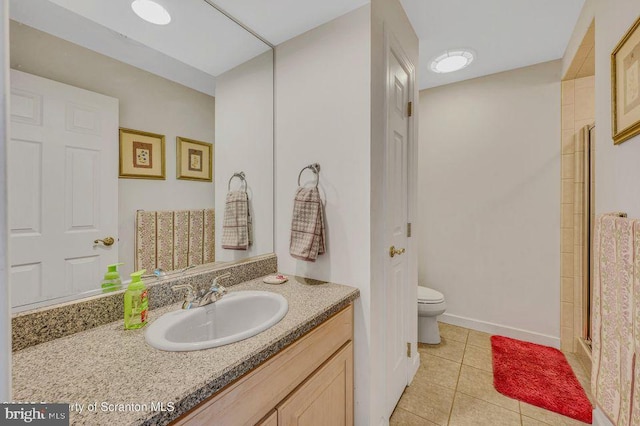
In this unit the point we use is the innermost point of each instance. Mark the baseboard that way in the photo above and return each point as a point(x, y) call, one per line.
point(503, 330)
point(414, 365)
point(599, 418)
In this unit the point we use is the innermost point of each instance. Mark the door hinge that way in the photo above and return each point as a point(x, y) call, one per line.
point(408, 349)
point(408, 230)
point(410, 109)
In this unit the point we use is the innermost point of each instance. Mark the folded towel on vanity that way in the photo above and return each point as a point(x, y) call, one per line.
point(307, 225)
point(236, 226)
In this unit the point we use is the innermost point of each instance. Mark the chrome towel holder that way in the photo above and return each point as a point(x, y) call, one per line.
point(315, 168)
point(241, 176)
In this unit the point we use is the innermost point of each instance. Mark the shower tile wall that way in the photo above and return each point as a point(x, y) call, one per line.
point(578, 110)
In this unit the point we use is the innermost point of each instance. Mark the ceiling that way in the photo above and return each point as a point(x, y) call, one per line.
point(280, 20)
point(505, 34)
point(199, 44)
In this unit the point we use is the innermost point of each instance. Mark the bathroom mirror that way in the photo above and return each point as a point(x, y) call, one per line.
point(193, 99)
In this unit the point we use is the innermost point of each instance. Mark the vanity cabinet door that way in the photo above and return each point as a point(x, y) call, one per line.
point(270, 420)
point(325, 398)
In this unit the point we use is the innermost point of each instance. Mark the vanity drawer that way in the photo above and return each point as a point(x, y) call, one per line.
point(247, 400)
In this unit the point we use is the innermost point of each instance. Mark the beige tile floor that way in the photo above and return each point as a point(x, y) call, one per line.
point(454, 386)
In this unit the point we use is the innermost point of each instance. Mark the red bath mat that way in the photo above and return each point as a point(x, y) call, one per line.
point(538, 375)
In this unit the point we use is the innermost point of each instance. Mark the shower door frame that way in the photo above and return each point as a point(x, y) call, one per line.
point(588, 221)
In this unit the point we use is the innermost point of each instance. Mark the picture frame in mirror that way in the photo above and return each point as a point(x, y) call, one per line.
point(194, 160)
point(142, 155)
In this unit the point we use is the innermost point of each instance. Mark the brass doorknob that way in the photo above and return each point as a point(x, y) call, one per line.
point(107, 241)
point(393, 251)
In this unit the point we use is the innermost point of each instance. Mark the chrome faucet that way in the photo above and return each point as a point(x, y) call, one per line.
point(216, 291)
point(214, 294)
point(190, 297)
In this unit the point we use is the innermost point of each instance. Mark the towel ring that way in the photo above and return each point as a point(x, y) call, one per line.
point(241, 176)
point(315, 168)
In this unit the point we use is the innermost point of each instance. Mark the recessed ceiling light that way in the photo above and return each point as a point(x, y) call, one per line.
point(452, 60)
point(151, 11)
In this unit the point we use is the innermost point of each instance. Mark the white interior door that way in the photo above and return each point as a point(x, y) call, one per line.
point(396, 215)
point(63, 188)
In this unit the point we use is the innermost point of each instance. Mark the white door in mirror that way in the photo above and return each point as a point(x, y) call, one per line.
point(63, 188)
point(237, 316)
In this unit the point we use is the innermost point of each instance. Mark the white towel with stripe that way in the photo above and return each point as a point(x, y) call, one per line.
point(236, 226)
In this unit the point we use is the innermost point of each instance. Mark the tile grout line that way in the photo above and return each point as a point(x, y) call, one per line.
point(415, 414)
point(455, 390)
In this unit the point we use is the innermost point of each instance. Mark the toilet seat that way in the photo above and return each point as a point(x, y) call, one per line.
point(429, 296)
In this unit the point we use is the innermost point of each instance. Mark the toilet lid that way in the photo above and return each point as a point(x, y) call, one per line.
point(429, 295)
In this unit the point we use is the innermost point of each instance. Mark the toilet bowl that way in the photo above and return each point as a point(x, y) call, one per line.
point(430, 304)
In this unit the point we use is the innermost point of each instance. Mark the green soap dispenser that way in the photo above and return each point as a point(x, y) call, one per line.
point(136, 302)
point(112, 281)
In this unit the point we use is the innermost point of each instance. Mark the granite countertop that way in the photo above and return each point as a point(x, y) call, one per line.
point(111, 366)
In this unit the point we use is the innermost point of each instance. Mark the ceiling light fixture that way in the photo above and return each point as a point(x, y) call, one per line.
point(452, 60)
point(151, 11)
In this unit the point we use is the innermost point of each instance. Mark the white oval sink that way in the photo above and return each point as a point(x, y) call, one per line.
point(237, 316)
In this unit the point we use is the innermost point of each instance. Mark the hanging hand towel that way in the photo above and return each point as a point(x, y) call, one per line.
point(236, 227)
point(615, 377)
point(307, 225)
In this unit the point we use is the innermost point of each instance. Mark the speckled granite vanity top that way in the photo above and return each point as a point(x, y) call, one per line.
point(128, 379)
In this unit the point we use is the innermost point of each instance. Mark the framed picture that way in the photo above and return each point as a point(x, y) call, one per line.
point(625, 86)
point(194, 160)
point(141, 155)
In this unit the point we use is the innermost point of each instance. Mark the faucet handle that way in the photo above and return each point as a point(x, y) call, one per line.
point(189, 297)
point(215, 284)
point(219, 290)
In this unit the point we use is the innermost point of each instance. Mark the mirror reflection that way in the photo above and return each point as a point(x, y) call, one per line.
point(125, 136)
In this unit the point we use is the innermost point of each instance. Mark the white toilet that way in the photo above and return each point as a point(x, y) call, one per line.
point(430, 305)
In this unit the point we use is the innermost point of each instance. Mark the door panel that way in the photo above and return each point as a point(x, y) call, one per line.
point(82, 272)
point(27, 280)
point(82, 189)
point(26, 107)
point(26, 204)
point(63, 187)
point(396, 214)
point(325, 398)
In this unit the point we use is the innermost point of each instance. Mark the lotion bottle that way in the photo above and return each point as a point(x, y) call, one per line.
point(111, 281)
point(136, 302)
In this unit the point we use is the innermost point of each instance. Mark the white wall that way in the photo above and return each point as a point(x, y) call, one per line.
point(329, 111)
point(323, 115)
point(147, 102)
point(244, 142)
point(389, 20)
point(489, 175)
point(617, 171)
point(5, 296)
